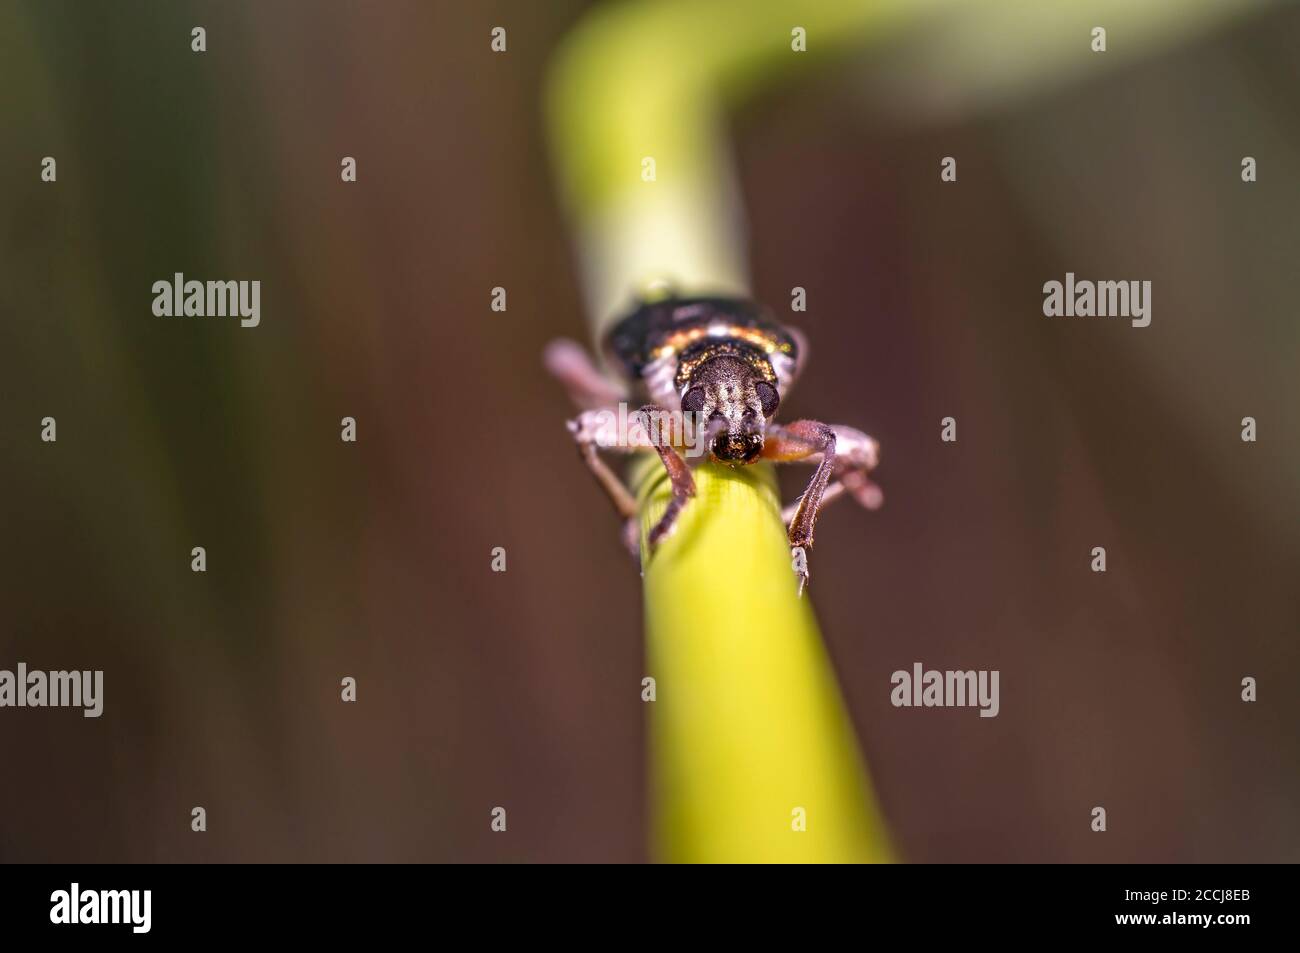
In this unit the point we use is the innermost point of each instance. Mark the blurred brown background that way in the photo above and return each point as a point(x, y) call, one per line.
point(521, 689)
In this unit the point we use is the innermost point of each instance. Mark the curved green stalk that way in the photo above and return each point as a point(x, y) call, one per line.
point(753, 756)
point(653, 80)
point(748, 724)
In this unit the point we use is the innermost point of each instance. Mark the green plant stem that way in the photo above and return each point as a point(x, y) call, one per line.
point(749, 737)
point(753, 756)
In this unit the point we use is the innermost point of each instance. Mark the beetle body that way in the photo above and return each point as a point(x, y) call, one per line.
point(729, 363)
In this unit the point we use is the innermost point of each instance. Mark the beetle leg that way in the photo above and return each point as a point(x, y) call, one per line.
point(584, 428)
point(846, 453)
point(679, 475)
point(797, 441)
point(854, 482)
point(587, 387)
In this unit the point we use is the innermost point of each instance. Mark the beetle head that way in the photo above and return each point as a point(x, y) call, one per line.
point(734, 402)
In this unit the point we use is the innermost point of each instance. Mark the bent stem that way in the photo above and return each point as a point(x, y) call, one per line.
point(753, 754)
point(748, 724)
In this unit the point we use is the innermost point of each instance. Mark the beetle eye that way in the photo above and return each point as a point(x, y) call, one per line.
point(693, 400)
point(768, 397)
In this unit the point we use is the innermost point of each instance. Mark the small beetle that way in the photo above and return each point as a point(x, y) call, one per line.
point(727, 364)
